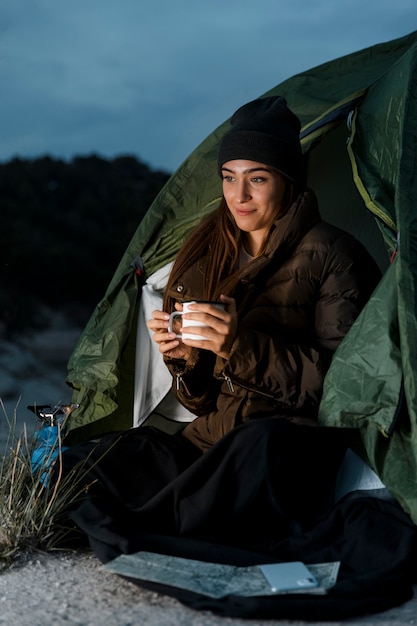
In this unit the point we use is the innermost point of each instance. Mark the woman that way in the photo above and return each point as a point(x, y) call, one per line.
point(292, 286)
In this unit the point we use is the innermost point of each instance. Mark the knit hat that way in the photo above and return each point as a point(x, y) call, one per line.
point(266, 131)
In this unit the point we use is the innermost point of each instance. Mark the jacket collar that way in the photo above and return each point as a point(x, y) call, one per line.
point(288, 230)
point(291, 227)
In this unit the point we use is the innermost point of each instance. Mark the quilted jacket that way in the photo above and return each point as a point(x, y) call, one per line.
point(295, 304)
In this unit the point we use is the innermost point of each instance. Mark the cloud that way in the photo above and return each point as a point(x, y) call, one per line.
point(155, 79)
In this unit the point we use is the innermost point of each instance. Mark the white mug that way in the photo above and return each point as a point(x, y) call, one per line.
point(185, 309)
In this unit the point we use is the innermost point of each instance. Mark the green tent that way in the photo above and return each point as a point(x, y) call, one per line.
point(359, 130)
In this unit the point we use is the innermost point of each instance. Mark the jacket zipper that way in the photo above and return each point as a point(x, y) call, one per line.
point(229, 380)
point(179, 383)
point(229, 383)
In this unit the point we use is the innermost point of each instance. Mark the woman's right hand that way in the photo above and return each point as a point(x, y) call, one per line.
point(168, 343)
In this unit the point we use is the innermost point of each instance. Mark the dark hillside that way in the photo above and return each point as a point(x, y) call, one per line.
point(63, 229)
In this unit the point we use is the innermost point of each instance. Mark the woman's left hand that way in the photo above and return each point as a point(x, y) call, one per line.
point(220, 326)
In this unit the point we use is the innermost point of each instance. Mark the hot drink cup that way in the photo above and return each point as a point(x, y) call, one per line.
point(185, 309)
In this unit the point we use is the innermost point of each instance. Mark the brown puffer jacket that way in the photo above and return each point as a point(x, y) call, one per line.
point(295, 305)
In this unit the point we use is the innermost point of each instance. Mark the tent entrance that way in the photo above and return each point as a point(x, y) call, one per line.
point(330, 175)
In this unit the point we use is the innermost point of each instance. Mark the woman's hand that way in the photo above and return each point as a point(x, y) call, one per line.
point(168, 343)
point(220, 326)
point(220, 329)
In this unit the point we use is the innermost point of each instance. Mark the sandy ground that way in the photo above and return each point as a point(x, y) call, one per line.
point(69, 589)
point(66, 588)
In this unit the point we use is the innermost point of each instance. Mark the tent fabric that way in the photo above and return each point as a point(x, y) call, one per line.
point(370, 99)
point(153, 380)
point(383, 152)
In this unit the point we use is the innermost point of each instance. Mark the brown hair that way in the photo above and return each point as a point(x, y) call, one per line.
point(217, 237)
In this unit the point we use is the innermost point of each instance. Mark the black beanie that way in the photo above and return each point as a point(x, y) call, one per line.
point(266, 131)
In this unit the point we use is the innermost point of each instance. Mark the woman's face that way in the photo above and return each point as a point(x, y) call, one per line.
point(254, 193)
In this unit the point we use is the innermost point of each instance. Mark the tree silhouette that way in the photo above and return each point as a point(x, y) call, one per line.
point(63, 229)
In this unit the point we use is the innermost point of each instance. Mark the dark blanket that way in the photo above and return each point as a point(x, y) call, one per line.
point(264, 493)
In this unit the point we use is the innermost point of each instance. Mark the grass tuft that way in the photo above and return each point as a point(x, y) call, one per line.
point(30, 507)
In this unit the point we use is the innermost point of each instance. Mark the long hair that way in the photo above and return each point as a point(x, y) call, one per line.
point(218, 239)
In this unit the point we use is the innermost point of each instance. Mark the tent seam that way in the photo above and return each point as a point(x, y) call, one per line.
point(372, 206)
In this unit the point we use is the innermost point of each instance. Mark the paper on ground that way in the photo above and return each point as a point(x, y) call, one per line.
point(210, 579)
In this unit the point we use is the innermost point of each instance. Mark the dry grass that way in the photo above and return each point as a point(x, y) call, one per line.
point(30, 508)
